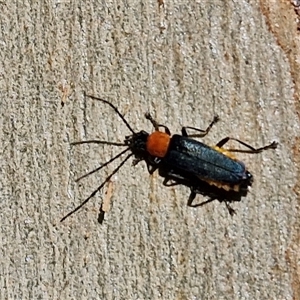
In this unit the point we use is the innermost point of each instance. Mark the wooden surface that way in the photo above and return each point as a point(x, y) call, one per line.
point(184, 63)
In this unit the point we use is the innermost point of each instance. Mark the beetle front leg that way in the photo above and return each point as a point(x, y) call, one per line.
point(156, 125)
point(151, 168)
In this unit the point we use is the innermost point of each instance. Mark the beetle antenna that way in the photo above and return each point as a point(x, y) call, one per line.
point(102, 166)
point(98, 142)
point(114, 108)
point(99, 188)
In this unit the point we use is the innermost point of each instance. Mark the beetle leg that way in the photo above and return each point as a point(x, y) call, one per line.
point(156, 125)
point(273, 145)
point(192, 197)
point(203, 132)
point(230, 209)
point(136, 161)
point(166, 182)
point(151, 168)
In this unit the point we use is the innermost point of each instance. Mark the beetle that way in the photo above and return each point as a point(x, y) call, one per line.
point(180, 159)
point(210, 171)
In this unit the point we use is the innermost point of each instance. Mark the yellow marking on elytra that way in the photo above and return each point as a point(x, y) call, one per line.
point(225, 152)
point(222, 185)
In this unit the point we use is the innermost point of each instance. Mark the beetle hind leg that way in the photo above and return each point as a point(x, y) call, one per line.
point(273, 145)
point(193, 196)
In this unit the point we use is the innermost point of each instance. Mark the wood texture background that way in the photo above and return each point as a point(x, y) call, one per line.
point(183, 62)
